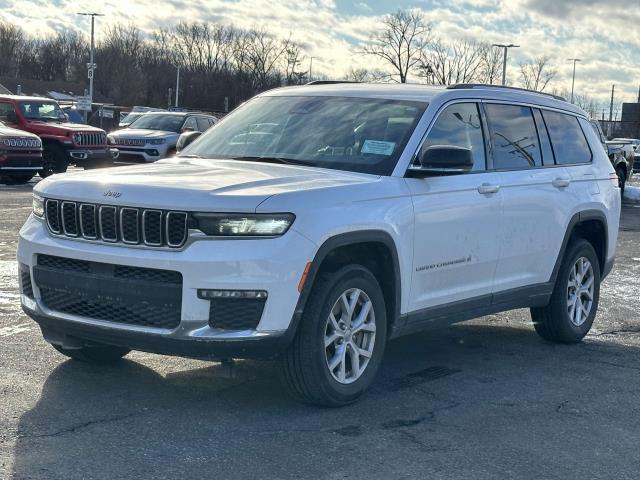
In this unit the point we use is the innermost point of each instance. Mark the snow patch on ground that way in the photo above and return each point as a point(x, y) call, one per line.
point(632, 193)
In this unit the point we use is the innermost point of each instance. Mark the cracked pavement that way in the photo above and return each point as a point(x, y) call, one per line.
point(483, 399)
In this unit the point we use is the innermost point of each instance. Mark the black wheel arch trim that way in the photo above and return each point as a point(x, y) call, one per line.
point(343, 240)
point(582, 216)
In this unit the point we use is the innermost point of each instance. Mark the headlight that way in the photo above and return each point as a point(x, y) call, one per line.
point(38, 206)
point(157, 141)
point(240, 225)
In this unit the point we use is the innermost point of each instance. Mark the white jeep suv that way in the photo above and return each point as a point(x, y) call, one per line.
point(360, 213)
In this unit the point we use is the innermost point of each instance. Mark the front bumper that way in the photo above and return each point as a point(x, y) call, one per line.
point(86, 156)
point(145, 154)
point(274, 265)
point(20, 163)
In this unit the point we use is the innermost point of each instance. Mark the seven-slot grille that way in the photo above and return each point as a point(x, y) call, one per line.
point(108, 223)
point(90, 138)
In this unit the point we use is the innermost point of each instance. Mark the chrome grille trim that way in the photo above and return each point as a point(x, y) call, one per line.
point(123, 210)
point(167, 222)
point(69, 230)
point(101, 213)
point(146, 223)
point(115, 224)
point(55, 207)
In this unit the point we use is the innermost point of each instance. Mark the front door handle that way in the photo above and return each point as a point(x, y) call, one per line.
point(561, 182)
point(488, 189)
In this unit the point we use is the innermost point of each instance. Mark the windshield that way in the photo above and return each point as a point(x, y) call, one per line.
point(41, 110)
point(129, 118)
point(358, 134)
point(167, 123)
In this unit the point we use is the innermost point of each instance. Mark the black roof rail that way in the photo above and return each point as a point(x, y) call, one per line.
point(329, 82)
point(464, 86)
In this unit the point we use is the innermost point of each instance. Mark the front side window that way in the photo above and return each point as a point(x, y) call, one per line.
point(567, 138)
point(203, 123)
point(514, 137)
point(459, 125)
point(357, 134)
point(5, 110)
point(41, 110)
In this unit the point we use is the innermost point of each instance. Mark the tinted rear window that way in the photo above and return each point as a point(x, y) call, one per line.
point(569, 143)
point(514, 137)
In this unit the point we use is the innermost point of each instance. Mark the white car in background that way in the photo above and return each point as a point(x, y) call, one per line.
point(154, 135)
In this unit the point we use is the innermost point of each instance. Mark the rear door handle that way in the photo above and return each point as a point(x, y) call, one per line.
point(488, 189)
point(561, 182)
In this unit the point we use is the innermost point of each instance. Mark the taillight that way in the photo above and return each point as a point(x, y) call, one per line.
point(614, 179)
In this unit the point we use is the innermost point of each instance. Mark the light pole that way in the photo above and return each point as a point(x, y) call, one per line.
point(504, 62)
point(177, 84)
point(573, 79)
point(91, 66)
point(310, 67)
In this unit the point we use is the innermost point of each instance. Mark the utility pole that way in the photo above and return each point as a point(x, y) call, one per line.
point(91, 66)
point(177, 85)
point(613, 89)
point(504, 62)
point(310, 67)
point(573, 79)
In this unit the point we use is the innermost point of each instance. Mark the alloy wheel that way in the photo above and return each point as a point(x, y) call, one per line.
point(580, 291)
point(350, 335)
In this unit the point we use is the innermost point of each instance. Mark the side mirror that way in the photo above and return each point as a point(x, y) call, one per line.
point(442, 160)
point(186, 139)
point(12, 117)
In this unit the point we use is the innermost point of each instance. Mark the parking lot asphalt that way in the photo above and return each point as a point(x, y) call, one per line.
point(482, 399)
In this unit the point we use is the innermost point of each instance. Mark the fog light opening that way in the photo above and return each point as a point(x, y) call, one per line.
point(207, 294)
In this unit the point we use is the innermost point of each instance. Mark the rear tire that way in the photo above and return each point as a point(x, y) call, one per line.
point(343, 325)
point(574, 302)
point(54, 160)
point(97, 354)
point(622, 179)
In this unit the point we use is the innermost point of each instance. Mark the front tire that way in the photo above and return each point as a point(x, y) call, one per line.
point(340, 340)
point(54, 160)
point(574, 302)
point(96, 354)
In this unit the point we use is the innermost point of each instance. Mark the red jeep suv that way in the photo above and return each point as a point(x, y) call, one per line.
point(63, 143)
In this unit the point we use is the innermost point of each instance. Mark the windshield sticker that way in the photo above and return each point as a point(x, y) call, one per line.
point(378, 147)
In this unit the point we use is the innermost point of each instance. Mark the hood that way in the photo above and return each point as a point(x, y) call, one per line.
point(14, 132)
point(142, 133)
point(194, 184)
point(60, 128)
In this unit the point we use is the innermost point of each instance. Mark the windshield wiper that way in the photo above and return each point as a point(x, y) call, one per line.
point(191, 155)
point(286, 161)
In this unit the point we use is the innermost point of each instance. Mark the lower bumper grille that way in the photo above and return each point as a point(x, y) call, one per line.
point(25, 281)
point(113, 293)
point(235, 313)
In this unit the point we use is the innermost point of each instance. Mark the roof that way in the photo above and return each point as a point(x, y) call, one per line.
point(26, 98)
point(428, 93)
point(176, 114)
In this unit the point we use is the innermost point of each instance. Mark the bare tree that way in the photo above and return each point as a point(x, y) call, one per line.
point(458, 62)
point(400, 42)
point(12, 40)
point(260, 55)
point(537, 74)
point(364, 75)
point(491, 69)
point(293, 58)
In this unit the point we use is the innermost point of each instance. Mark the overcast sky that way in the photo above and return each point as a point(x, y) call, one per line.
point(605, 34)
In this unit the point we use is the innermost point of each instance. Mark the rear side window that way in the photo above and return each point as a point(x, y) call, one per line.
point(459, 125)
point(567, 138)
point(203, 123)
point(514, 137)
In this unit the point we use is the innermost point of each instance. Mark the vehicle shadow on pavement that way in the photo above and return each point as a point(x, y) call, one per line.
point(460, 397)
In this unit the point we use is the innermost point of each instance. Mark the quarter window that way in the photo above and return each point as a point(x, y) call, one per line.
point(190, 124)
point(459, 125)
point(569, 143)
point(514, 137)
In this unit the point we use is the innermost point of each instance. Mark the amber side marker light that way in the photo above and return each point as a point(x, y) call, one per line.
point(303, 279)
